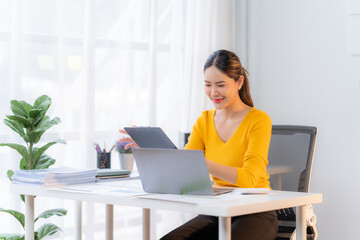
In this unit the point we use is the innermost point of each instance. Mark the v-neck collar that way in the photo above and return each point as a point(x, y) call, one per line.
point(237, 129)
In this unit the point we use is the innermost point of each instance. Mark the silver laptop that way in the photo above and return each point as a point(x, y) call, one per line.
point(174, 171)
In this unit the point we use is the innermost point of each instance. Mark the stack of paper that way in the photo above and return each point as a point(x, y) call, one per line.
point(54, 177)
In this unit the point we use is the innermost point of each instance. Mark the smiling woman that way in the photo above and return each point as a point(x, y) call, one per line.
point(235, 139)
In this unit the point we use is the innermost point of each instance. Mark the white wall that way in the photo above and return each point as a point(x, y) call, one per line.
point(302, 73)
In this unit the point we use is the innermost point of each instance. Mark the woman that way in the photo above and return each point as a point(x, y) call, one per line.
point(235, 138)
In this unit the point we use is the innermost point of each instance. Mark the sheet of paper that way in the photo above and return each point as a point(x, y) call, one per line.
point(128, 183)
point(238, 193)
point(119, 191)
point(76, 188)
point(122, 192)
point(193, 199)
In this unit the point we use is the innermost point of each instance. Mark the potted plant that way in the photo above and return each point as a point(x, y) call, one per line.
point(31, 122)
point(126, 156)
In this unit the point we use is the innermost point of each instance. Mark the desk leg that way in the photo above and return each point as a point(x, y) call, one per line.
point(29, 217)
point(78, 220)
point(109, 223)
point(278, 181)
point(301, 223)
point(146, 224)
point(224, 228)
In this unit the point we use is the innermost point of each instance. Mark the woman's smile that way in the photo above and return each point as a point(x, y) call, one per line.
point(218, 100)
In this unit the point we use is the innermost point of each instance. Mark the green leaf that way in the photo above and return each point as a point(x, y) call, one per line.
point(34, 113)
point(47, 229)
point(22, 150)
point(34, 136)
point(22, 198)
point(43, 102)
point(11, 236)
point(18, 215)
point(44, 162)
point(20, 119)
point(38, 118)
point(17, 127)
point(10, 173)
point(37, 152)
point(23, 165)
point(39, 130)
point(26, 106)
point(43, 125)
point(52, 212)
point(55, 121)
point(18, 108)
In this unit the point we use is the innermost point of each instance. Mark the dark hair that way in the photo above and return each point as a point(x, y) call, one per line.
point(230, 64)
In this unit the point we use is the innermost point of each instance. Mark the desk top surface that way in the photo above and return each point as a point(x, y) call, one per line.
point(221, 205)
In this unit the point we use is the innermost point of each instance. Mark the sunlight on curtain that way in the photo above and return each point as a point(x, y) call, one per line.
point(106, 65)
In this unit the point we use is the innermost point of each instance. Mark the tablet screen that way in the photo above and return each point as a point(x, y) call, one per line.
point(150, 137)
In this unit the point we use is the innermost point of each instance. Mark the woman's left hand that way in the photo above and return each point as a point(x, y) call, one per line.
point(128, 139)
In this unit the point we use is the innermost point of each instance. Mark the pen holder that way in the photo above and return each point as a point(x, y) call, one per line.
point(103, 159)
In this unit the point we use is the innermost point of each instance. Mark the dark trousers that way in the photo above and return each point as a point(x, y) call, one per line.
point(258, 226)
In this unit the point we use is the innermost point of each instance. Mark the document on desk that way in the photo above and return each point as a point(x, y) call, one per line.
point(122, 192)
point(107, 188)
point(126, 182)
point(193, 199)
point(238, 193)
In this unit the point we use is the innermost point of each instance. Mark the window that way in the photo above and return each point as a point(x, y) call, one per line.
point(98, 61)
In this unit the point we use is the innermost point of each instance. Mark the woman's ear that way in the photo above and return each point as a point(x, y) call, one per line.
point(240, 82)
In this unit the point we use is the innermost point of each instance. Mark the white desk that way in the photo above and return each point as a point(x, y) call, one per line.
point(225, 209)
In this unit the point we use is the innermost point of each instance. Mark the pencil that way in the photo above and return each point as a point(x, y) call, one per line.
point(112, 147)
point(96, 148)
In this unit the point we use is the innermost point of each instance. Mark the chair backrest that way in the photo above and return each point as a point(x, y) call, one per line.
point(293, 146)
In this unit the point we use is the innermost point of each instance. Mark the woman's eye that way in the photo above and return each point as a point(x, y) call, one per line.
point(221, 85)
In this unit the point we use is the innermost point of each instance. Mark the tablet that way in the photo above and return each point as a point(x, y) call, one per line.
point(150, 137)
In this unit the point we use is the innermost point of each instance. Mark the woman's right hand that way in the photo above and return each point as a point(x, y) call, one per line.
point(128, 139)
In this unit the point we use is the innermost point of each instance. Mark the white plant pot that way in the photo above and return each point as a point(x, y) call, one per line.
point(126, 161)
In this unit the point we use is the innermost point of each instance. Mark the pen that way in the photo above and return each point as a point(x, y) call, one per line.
point(97, 148)
point(112, 148)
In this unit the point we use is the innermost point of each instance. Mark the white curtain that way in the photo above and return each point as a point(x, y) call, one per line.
point(106, 65)
point(209, 27)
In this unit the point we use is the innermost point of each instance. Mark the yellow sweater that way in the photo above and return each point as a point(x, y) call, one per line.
point(247, 149)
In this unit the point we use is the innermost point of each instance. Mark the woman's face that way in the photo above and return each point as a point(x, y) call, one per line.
point(221, 89)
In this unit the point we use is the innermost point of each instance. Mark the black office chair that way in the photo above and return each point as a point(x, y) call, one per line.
point(293, 146)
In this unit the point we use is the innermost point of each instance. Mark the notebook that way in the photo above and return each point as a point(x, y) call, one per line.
point(107, 173)
point(150, 137)
point(174, 171)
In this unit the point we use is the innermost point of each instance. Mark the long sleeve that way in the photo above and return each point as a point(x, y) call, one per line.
point(196, 139)
point(255, 158)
